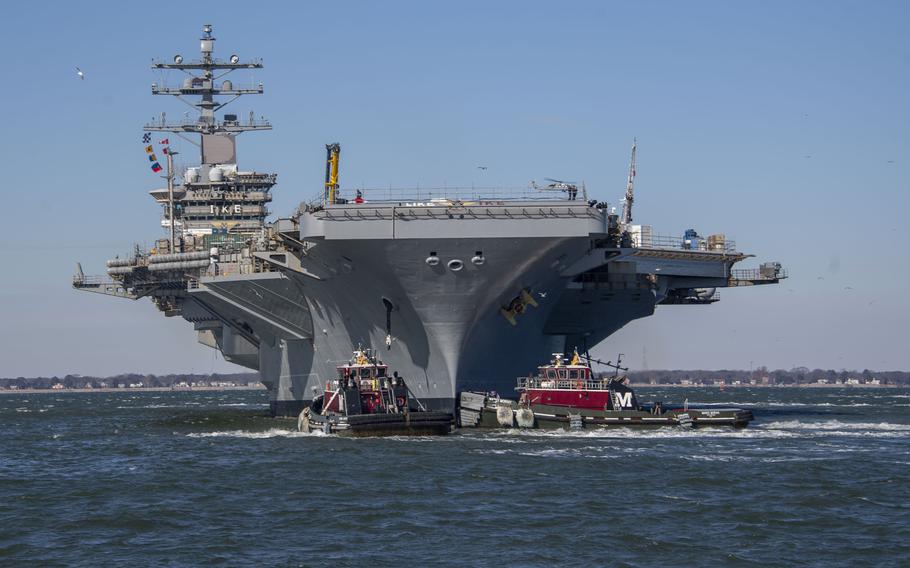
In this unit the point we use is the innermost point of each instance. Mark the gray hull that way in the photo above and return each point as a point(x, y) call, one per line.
point(447, 330)
point(463, 312)
point(296, 324)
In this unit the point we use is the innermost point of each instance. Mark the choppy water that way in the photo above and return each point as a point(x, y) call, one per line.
point(821, 478)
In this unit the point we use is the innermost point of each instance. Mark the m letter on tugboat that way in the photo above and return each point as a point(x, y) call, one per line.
point(623, 399)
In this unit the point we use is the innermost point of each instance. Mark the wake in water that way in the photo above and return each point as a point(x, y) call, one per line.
point(770, 430)
point(271, 433)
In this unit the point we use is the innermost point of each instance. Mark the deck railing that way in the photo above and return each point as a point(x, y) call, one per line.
point(759, 274)
point(682, 243)
point(94, 281)
point(563, 384)
point(467, 195)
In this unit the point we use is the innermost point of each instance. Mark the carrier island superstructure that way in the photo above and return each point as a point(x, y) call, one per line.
point(456, 290)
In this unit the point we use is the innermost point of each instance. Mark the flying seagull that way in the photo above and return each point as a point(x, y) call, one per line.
point(80, 73)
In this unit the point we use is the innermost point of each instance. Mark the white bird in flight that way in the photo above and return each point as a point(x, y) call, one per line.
point(80, 73)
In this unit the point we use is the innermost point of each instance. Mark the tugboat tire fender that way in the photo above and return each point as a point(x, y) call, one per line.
point(525, 418)
point(504, 416)
point(303, 421)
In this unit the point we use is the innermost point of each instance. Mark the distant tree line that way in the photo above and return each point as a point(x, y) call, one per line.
point(127, 379)
point(798, 376)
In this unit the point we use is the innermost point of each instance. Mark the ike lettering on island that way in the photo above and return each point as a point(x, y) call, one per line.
point(226, 209)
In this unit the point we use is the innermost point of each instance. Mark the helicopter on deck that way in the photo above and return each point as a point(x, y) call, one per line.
point(569, 187)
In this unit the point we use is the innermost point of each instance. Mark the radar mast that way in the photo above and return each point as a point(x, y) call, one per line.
point(203, 82)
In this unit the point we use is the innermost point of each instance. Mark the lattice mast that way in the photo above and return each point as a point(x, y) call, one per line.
point(203, 82)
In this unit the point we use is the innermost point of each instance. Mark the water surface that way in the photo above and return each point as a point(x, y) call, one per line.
point(821, 478)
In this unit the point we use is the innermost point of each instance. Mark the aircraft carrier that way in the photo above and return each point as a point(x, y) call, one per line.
point(441, 282)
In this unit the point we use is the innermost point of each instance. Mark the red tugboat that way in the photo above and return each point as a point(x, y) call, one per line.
point(567, 394)
point(363, 400)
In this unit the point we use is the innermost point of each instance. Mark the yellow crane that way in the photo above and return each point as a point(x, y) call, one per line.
point(333, 153)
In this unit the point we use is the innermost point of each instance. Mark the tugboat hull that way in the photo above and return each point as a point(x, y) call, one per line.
point(423, 423)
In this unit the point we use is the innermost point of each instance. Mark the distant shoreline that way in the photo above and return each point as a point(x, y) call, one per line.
point(134, 389)
point(262, 387)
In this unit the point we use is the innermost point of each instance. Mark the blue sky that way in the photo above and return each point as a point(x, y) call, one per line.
point(783, 125)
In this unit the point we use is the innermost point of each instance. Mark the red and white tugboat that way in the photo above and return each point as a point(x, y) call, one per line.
point(363, 400)
point(568, 395)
